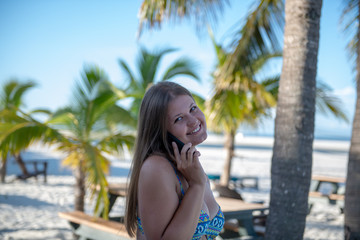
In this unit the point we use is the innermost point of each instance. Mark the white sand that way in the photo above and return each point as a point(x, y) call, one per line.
point(28, 209)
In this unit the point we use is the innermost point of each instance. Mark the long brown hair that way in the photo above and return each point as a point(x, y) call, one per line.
point(151, 139)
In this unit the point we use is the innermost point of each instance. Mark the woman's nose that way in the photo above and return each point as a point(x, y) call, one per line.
point(193, 122)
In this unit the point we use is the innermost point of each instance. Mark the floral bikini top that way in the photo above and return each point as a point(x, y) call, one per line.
point(206, 226)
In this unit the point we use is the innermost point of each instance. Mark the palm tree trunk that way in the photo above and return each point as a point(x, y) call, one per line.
point(79, 188)
point(294, 123)
point(352, 193)
point(3, 170)
point(21, 164)
point(229, 146)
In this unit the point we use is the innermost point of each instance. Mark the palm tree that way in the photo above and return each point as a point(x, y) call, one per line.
point(92, 132)
point(351, 14)
point(248, 100)
point(11, 99)
point(148, 65)
point(245, 100)
point(294, 123)
point(86, 130)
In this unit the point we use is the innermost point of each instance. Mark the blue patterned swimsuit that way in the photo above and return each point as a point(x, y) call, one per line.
point(206, 226)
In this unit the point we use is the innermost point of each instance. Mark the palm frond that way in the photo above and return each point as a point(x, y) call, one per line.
point(327, 103)
point(20, 136)
point(43, 111)
point(91, 84)
point(99, 106)
point(182, 66)
point(258, 36)
point(271, 85)
point(148, 64)
point(261, 60)
point(219, 50)
point(10, 116)
point(119, 116)
point(12, 93)
point(225, 110)
point(200, 101)
point(120, 93)
point(18, 95)
point(66, 120)
point(349, 21)
point(115, 143)
point(73, 159)
point(153, 13)
point(96, 167)
point(133, 83)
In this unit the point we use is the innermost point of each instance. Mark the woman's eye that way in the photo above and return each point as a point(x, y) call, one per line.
point(193, 108)
point(178, 119)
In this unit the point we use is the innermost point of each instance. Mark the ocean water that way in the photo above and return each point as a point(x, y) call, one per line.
point(322, 135)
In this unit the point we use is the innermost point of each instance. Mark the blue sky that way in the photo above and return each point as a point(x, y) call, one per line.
point(50, 41)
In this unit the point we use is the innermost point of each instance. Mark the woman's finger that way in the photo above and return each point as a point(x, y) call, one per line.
point(176, 153)
point(190, 155)
point(197, 153)
point(185, 150)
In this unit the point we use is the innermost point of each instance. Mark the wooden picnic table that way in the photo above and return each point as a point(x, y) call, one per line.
point(334, 196)
point(119, 189)
point(242, 211)
point(115, 190)
point(337, 185)
point(333, 180)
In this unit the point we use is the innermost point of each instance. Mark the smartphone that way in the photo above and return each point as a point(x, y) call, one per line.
point(172, 138)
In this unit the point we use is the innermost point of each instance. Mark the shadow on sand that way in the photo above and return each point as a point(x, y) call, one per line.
point(22, 201)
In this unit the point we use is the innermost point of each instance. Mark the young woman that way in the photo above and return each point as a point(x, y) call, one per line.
point(169, 193)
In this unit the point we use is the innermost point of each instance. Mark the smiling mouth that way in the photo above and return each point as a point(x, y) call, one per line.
point(196, 130)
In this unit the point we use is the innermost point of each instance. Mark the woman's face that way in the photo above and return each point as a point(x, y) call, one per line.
point(186, 121)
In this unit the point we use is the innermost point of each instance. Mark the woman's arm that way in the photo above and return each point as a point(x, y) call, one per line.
point(159, 210)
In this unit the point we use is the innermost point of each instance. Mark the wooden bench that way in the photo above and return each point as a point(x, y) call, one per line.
point(36, 171)
point(95, 228)
point(242, 182)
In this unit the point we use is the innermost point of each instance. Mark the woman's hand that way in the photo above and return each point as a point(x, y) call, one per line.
point(189, 165)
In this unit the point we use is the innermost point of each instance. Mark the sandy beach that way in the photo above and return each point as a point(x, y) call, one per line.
point(28, 209)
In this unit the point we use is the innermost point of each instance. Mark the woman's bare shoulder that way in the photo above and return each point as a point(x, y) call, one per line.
point(158, 167)
point(157, 183)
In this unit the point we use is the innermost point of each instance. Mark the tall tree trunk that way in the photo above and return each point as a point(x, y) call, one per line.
point(229, 146)
point(352, 192)
point(21, 164)
point(294, 124)
point(79, 188)
point(3, 170)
